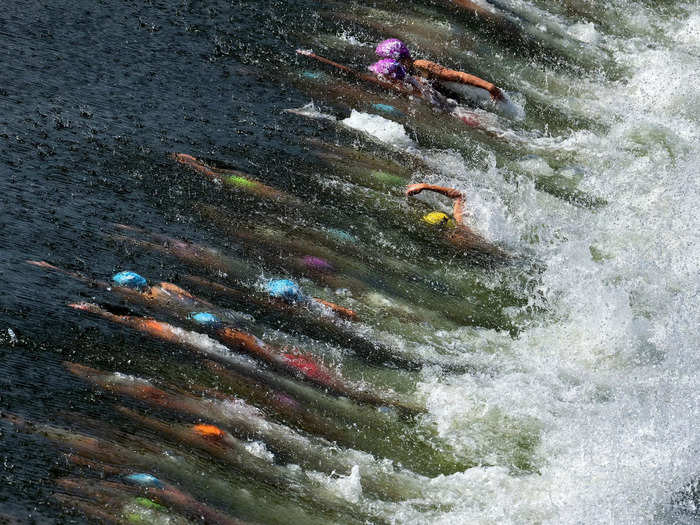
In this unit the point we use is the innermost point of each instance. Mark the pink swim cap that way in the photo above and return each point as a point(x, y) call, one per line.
point(392, 48)
point(389, 68)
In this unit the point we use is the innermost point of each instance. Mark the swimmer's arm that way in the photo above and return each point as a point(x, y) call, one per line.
point(450, 75)
point(245, 341)
point(466, 78)
point(195, 164)
point(458, 210)
point(341, 311)
point(415, 189)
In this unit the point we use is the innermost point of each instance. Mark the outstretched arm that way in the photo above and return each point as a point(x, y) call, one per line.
point(195, 164)
point(450, 75)
point(341, 311)
point(422, 86)
point(456, 195)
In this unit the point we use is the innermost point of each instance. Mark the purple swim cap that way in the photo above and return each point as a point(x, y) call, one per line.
point(316, 263)
point(392, 48)
point(389, 68)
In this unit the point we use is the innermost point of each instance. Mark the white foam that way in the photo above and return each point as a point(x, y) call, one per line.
point(689, 32)
point(351, 39)
point(310, 110)
point(120, 378)
point(347, 487)
point(385, 130)
point(607, 380)
point(584, 32)
point(211, 347)
point(258, 449)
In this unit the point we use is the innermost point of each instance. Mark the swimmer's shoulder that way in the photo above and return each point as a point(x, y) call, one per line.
point(426, 66)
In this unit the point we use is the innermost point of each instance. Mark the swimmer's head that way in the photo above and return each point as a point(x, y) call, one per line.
point(393, 48)
point(148, 504)
point(286, 401)
point(242, 182)
point(314, 75)
point(205, 319)
point(317, 263)
point(389, 68)
point(390, 110)
point(341, 235)
point(129, 279)
point(285, 289)
point(438, 218)
point(144, 480)
point(209, 431)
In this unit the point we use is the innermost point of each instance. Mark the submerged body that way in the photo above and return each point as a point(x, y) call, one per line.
point(457, 233)
point(409, 86)
point(289, 359)
point(395, 49)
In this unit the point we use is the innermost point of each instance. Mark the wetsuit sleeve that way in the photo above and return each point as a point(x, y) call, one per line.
point(438, 72)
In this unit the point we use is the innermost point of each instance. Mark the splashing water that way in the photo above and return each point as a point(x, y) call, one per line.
point(610, 379)
point(561, 387)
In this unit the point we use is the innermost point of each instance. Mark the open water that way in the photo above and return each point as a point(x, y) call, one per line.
point(560, 384)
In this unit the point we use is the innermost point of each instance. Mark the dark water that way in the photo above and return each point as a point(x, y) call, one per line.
point(96, 96)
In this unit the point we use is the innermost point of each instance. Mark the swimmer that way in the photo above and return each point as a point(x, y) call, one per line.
point(232, 178)
point(119, 499)
point(142, 455)
point(289, 292)
point(450, 79)
point(390, 69)
point(390, 74)
point(457, 232)
point(222, 445)
point(288, 359)
point(456, 196)
point(133, 287)
point(313, 325)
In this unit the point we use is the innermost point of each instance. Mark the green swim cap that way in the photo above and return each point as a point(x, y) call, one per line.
point(438, 218)
point(241, 181)
point(149, 504)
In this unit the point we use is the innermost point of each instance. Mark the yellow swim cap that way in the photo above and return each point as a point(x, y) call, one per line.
point(437, 218)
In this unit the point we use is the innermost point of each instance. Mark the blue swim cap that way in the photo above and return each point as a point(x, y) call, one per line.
point(285, 289)
point(129, 280)
point(341, 235)
point(144, 480)
point(386, 108)
point(315, 75)
point(205, 318)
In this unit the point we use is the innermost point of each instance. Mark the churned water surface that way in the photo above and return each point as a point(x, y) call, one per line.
point(557, 386)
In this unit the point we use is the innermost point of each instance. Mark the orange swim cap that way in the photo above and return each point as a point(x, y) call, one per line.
point(209, 431)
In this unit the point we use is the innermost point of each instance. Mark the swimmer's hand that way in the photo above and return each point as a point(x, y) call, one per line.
point(496, 94)
point(415, 189)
